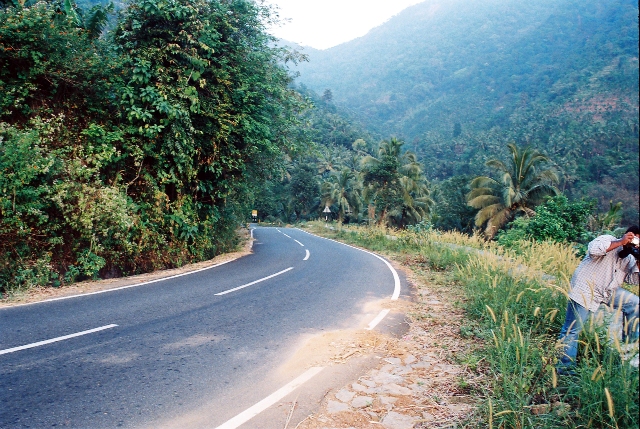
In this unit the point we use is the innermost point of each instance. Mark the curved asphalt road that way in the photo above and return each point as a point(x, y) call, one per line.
point(177, 346)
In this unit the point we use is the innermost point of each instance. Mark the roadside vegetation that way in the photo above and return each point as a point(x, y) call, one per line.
point(515, 300)
point(138, 148)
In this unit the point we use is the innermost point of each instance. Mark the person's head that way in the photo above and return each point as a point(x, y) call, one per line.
point(635, 229)
point(632, 248)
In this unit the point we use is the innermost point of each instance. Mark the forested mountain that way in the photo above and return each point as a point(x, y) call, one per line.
point(458, 79)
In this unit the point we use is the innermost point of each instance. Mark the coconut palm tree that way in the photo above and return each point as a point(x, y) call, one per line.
point(344, 190)
point(396, 184)
point(522, 184)
point(416, 203)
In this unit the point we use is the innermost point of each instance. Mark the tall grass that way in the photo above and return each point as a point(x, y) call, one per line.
point(518, 296)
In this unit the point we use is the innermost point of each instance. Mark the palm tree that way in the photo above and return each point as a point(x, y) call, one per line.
point(522, 185)
point(326, 163)
point(416, 203)
point(396, 183)
point(344, 190)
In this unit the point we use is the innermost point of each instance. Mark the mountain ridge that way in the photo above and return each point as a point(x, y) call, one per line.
point(459, 79)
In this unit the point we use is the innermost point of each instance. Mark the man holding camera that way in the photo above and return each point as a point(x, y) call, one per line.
point(597, 280)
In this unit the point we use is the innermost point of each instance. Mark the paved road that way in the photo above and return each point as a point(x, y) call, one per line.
point(180, 350)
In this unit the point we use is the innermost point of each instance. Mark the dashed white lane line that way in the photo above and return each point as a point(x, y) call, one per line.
point(308, 254)
point(377, 320)
point(298, 242)
point(396, 278)
point(254, 282)
point(54, 340)
point(250, 413)
point(282, 233)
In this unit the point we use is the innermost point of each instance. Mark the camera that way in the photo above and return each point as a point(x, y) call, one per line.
point(632, 248)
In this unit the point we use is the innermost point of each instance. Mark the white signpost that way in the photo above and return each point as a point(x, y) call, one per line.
point(326, 212)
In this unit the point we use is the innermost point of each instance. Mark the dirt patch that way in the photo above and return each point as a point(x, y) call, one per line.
point(334, 347)
point(89, 286)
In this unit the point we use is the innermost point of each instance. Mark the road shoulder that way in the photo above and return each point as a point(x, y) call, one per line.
point(91, 286)
point(422, 379)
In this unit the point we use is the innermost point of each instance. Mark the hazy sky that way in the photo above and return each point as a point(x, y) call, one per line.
point(322, 24)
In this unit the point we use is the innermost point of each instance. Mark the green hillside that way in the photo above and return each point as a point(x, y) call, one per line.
point(458, 79)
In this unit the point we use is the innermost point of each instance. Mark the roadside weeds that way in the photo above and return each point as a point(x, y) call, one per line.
point(88, 286)
point(512, 315)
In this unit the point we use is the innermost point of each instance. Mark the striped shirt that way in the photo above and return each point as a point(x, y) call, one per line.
point(600, 273)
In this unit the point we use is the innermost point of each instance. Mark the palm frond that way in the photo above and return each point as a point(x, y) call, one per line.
point(482, 201)
point(479, 191)
point(483, 182)
point(487, 213)
point(97, 18)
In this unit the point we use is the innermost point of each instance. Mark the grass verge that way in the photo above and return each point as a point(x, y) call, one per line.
point(515, 304)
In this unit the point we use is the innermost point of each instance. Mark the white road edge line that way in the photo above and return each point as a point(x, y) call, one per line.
point(298, 242)
point(308, 254)
point(396, 278)
point(377, 320)
point(253, 411)
point(127, 287)
point(254, 282)
point(54, 340)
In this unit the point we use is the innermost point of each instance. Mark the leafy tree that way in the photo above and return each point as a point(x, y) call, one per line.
point(304, 190)
point(557, 219)
point(327, 96)
point(139, 150)
point(522, 184)
point(451, 211)
point(343, 189)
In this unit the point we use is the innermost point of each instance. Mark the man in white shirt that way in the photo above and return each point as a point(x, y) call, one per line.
point(597, 280)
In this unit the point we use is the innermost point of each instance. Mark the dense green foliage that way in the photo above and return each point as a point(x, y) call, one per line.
point(133, 151)
point(557, 220)
point(458, 80)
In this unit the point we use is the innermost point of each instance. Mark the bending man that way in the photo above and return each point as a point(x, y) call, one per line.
point(596, 281)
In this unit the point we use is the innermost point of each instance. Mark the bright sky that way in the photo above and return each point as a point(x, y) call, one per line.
point(322, 24)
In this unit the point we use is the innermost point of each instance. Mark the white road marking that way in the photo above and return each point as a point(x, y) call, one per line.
point(396, 278)
point(298, 242)
point(127, 287)
point(377, 320)
point(54, 340)
point(308, 254)
point(285, 235)
point(250, 413)
point(254, 282)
